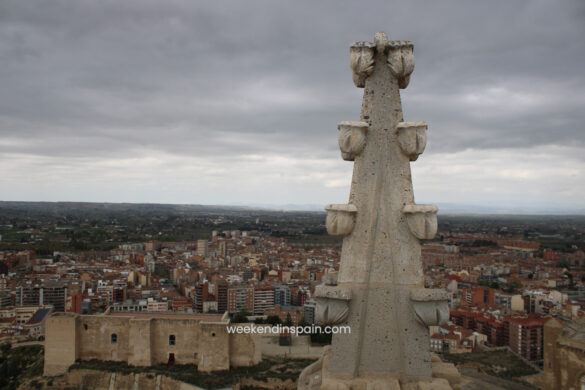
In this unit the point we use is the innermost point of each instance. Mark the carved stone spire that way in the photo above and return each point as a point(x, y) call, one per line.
point(379, 291)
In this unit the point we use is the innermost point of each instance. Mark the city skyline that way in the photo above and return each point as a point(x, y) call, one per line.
point(239, 104)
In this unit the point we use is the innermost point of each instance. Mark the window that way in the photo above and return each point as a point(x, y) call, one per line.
point(172, 340)
point(114, 338)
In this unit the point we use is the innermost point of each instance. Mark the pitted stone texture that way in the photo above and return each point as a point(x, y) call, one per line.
point(352, 138)
point(433, 384)
point(429, 294)
point(317, 376)
point(361, 62)
point(381, 254)
point(431, 306)
point(340, 219)
point(431, 313)
point(447, 371)
point(311, 377)
point(332, 292)
point(330, 279)
point(363, 384)
point(422, 220)
point(401, 61)
point(331, 311)
point(412, 137)
point(332, 304)
point(380, 260)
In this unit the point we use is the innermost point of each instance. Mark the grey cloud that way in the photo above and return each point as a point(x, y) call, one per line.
point(111, 79)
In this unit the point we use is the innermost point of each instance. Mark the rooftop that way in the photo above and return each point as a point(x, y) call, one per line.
point(172, 315)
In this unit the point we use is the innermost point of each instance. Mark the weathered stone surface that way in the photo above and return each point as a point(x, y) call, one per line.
point(311, 377)
point(330, 311)
point(93, 379)
point(143, 340)
point(447, 371)
point(422, 220)
point(433, 384)
point(431, 313)
point(361, 61)
point(352, 138)
point(401, 61)
point(332, 304)
point(412, 137)
point(429, 295)
point(431, 306)
point(380, 286)
point(564, 354)
point(340, 219)
point(332, 292)
point(330, 279)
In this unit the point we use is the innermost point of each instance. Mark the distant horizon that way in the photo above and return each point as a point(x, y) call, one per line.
point(444, 208)
point(222, 104)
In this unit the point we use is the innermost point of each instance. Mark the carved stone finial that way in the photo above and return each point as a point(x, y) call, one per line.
point(400, 58)
point(340, 219)
point(381, 40)
point(352, 138)
point(332, 304)
point(430, 306)
point(330, 279)
point(412, 137)
point(379, 291)
point(401, 61)
point(361, 61)
point(422, 220)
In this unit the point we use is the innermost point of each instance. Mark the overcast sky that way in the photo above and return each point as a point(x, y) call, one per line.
point(223, 102)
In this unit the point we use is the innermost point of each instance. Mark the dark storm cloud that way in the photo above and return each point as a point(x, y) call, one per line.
point(127, 72)
point(110, 79)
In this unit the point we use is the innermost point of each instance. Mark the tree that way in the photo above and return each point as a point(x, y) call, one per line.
point(4, 374)
point(288, 321)
point(303, 323)
point(5, 347)
point(241, 317)
point(273, 320)
point(321, 338)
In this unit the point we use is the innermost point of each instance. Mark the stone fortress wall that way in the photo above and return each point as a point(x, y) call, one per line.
point(564, 355)
point(147, 339)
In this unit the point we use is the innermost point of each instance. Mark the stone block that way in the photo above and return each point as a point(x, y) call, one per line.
point(435, 384)
point(332, 384)
point(447, 371)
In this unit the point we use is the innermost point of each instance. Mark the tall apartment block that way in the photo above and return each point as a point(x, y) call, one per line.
point(263, 299)
point(282, 295)
point(240, 298)
point(221, 291)
point(202, 248)
point(49, 294)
